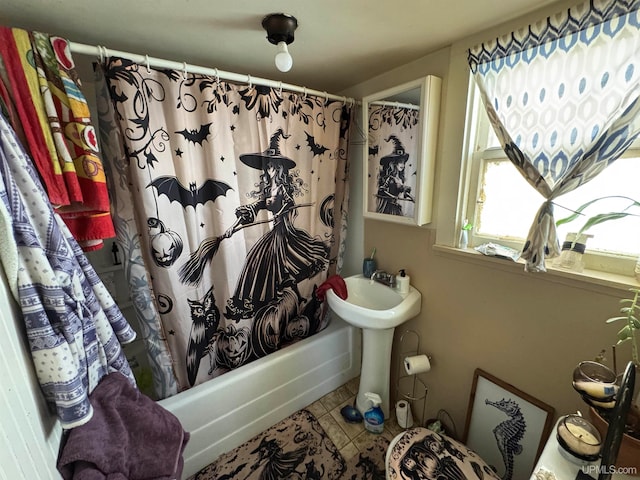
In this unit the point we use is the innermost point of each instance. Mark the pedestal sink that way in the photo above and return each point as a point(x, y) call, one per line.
point(377, 309)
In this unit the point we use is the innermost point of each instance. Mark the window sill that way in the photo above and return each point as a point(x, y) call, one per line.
point(601, 282)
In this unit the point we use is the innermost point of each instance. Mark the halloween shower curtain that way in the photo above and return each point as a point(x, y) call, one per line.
point(232, 201)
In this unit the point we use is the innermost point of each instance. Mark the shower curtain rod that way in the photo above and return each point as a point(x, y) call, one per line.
point(386, 103)
point(102, 52)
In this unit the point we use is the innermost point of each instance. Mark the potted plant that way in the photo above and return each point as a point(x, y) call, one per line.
point(629, 454)
point(574, 246)
point(601, 217)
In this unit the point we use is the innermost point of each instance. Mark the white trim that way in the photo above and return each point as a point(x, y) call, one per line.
point(592, 280)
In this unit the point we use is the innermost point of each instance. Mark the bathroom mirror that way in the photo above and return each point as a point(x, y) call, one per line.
point(399, 151)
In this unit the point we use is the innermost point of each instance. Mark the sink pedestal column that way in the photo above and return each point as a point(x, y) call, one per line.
point(376, 368)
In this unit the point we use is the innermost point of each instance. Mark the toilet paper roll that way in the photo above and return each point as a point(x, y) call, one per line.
point(417, 364)
point(403, 414)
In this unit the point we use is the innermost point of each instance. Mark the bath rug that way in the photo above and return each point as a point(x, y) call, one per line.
point(295, 448)
point(369, 463)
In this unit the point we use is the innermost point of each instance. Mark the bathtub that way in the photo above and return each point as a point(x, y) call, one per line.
point(227, 411)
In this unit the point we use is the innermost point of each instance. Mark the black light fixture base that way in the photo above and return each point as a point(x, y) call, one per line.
point(280, 27)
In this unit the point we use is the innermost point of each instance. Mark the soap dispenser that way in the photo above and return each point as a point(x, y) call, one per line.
point(374, 417)
point(402, 282)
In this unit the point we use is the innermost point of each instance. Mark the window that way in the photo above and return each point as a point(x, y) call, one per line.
point(502, 205)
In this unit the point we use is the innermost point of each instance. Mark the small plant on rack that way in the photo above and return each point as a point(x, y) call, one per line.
point(628, 333)
point(630, 310)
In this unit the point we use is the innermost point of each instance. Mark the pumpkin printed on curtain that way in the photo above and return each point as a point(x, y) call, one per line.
point(166, 245)
point(233, 347)
point(243, 193)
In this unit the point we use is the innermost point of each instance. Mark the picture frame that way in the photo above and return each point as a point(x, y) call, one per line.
point(399, 152)
point(497, 407)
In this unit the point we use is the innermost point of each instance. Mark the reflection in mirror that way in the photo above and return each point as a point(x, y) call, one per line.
point(393, 138)
point(399, 152)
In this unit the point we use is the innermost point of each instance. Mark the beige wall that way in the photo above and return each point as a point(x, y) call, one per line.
point(519, 327)
point(526, 329)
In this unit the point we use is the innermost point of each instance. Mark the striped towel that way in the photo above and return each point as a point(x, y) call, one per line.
point(60, 137)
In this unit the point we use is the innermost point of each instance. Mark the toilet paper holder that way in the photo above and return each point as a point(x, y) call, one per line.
point(411, 387)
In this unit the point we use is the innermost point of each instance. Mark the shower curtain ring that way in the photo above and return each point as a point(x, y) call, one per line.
point(184, 70)
point(344, 101)
point(326, 97)
point(217, 77)
point(304, 94)
point(100, 54)
point(249, 80)
point(146, 61)
point(280, 88)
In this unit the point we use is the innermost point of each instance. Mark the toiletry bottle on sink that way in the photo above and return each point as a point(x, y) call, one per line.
point(402, 282)
point(374, 417)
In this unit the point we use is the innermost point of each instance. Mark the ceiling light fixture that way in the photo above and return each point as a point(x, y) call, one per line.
point(280, 28)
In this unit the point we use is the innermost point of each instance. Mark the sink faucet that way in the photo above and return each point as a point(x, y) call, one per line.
point(383, 277)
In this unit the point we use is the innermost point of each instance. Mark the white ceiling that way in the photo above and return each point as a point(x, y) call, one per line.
point(338, 43)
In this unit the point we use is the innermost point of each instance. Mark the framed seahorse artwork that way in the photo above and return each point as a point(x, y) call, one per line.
point(507, 427)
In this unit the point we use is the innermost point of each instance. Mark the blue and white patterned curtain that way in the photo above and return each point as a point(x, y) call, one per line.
point(562, 96)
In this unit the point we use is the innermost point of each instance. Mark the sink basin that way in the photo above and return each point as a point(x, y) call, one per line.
point(370, 304)
point(377, 310)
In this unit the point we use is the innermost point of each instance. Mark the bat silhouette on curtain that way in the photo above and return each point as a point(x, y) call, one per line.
point(316, 148)
point(192, 196)
point(196, 136)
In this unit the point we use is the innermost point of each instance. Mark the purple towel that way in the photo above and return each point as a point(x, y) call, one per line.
point(129, 437)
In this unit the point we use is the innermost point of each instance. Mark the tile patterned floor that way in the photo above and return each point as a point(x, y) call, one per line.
point(349, 438)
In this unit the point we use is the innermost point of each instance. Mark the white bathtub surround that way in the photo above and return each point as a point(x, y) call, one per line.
point(225, 412)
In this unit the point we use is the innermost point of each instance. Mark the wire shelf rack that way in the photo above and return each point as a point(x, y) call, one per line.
point(411, 387)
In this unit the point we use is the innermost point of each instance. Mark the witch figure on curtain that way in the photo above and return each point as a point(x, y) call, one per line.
point(285, 255)
point(391, 181)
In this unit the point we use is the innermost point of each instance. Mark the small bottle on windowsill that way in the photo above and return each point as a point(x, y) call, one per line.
point(463, 242)
point(464, 239)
